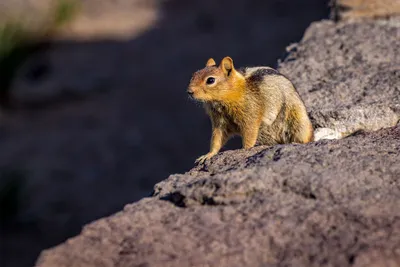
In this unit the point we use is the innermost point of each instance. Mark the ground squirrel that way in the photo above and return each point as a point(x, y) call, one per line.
point(257, 103)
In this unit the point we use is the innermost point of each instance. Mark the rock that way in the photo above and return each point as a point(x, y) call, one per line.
point(348, 74)
point(361, 9)
point(326, 133)
point(327, 203)
point(345, 121)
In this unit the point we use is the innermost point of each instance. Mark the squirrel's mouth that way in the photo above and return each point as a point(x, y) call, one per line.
point(192, 94)
point(196, 99)
point(193, 98)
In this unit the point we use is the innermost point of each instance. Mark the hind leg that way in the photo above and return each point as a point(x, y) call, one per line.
point(303, 133)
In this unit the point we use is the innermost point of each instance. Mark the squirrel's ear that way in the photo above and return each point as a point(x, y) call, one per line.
point(210, 62)
point(227, 65)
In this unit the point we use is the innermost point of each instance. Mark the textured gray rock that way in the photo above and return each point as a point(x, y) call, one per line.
point(329, 203)
point(348, 74)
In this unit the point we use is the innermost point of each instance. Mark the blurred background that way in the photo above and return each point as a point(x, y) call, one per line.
point(93, 101)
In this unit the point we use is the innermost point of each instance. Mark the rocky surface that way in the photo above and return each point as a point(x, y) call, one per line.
point(360, 9)
point(348, 74)
point(327, 203)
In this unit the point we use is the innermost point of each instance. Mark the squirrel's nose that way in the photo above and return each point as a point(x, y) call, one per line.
point(190, 92)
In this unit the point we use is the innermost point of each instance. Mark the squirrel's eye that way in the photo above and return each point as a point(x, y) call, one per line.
point(210, 80)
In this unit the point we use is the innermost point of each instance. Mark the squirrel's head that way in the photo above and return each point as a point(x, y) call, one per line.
point(215, 83)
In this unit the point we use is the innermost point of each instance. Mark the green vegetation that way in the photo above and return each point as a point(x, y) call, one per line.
point(65, 11)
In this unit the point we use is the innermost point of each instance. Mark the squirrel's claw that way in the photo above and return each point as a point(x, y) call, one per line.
point(203, 158)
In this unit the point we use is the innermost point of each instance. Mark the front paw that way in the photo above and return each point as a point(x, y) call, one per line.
point(205, 157)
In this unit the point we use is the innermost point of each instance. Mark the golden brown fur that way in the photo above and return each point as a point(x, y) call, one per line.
point(257, 103)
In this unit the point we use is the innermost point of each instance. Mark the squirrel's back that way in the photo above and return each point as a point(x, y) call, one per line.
point(285, 118)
